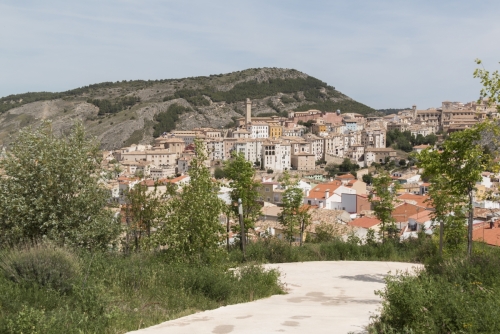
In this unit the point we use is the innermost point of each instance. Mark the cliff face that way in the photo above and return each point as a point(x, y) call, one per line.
point(126, 112)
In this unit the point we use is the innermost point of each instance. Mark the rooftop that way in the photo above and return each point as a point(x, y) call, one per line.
point(365, 222)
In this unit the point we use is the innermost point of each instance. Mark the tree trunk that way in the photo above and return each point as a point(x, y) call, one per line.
point(301, 232)
point(470, 225)
point(441, 232)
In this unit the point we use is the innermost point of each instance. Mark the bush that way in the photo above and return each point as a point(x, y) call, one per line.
point(29, 320)
point(45, 265)
point(452, 296)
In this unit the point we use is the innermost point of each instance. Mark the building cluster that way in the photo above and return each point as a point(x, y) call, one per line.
point(343, 203)
point(452, 116)
point(275, 143)
point(298, 142)
point(286, 143)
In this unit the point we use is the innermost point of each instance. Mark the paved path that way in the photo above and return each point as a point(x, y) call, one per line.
point(323, 297)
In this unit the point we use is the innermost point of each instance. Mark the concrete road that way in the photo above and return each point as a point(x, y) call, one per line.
point(323, 297)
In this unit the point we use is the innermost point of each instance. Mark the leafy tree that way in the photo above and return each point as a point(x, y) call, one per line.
point(431, 139)
point(191, 230)
point(383, 200)
point(491, 84)
point(219, 173)
point(405, 141)
point(110, 107)
point(347, 166)
point(241, 174)
point(368, 178)
point(332, 169)
point(402, 162)
point(449, 212)
point(456, 169)
point(294, 217)
point(166, 120)
point(51, 189)
point(142, 211)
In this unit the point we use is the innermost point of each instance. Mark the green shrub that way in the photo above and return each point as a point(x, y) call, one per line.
point(211, 282)
point(272, 250)
point(45, 265)
point(457, 295)
point(29, 320)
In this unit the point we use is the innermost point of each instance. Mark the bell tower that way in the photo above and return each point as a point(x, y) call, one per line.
point(248, 118)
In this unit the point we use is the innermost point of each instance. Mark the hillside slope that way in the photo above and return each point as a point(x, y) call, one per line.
point(127, 112)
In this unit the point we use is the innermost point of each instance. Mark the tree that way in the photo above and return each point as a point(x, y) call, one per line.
point(368, 178)
point(456, 169)
point(190, 229)
point(241, 174)
point(402, 162)
point(448, 211)
point(348, 167)
point(219, 173)
point(383, 200)
point(491, 84)
point(51, 189)
point(294, 217)
point(332, 169)
point(142, 211)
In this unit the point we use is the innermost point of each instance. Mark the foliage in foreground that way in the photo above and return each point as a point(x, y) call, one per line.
point(273, 250)
point(113, 293)
point(51, 189)
point(457, 295)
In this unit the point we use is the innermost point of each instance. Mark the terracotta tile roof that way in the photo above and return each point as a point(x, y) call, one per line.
point(419, 200)
point(346, 177)
point(484, 233)
point(365, 222)
point(422, 216)
point(319, 191)
point(175, 180)
point(421, 146)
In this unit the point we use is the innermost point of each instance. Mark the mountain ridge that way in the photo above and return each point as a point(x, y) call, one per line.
point(126, 112)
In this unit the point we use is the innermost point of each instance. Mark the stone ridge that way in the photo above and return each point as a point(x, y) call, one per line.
point(135, 123)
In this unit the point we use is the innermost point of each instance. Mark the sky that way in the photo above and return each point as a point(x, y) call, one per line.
point(385, 54)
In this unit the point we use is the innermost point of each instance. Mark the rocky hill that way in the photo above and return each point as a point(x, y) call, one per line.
point(122, 113)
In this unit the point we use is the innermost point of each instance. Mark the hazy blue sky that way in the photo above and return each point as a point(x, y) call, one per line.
point(382, 53)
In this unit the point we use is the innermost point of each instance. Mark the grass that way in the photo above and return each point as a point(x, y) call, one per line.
point(276, 251)
point(452, 295)
point(116, 293)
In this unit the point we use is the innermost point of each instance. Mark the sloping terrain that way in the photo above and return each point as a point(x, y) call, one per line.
point(127, 112)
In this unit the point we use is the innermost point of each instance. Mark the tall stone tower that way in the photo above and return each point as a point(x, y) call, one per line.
point(248, 118)
point(414, 108)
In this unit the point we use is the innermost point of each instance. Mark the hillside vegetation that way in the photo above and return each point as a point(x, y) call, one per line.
point(127, 112)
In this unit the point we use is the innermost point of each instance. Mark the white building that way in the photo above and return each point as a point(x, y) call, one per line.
point(334, 144)
point(317, 145)
point(276, 155)
point(251, 149)
point(258, 129)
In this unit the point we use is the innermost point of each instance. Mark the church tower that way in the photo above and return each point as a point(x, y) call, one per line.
point(248, 118)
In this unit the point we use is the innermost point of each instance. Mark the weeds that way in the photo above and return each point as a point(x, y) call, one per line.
point(113, 293)
point(453, 295)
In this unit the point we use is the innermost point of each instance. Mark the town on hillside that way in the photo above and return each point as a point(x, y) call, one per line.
point(313, 146)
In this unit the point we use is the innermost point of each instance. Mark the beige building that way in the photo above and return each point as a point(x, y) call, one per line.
point(171, 144)
point(378, 155)
point(303, 161)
